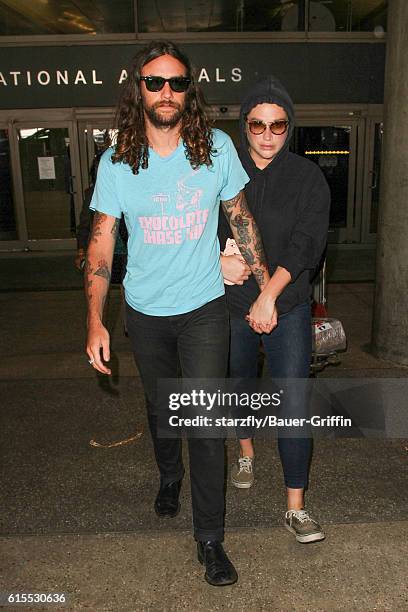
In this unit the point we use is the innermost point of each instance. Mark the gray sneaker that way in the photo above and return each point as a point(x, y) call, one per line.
point(303, 526)
point(242, 475)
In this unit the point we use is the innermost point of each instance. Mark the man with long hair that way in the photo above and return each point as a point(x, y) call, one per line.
point(167, 173)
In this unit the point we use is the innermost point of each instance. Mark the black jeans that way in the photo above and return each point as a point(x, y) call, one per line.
point(198, 342)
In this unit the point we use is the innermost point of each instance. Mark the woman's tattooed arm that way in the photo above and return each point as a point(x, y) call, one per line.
point(247, 236)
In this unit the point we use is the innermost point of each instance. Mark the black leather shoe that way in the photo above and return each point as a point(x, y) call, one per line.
point(219, 569)
point(167, 501)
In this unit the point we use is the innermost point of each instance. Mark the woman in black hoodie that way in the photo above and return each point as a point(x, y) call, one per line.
point(290, 199)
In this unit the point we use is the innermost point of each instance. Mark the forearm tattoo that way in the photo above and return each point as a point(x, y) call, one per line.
point(259, 275)
point(246, 235)
point(103, 270)
point(88, 271)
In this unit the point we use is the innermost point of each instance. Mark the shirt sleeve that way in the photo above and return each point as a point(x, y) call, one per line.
point(309, 235)
point(105, 197)
point(234, 176)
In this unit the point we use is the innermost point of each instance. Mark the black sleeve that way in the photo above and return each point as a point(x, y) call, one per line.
point(309, 234)
point(85, 220)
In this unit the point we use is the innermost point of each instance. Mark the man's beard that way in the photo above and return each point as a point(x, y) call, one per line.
point(165, 120)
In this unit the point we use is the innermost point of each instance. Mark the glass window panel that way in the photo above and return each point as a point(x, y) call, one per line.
point(29, 17)
point(220, 15)
point(47, 182)
point(8, 229)
point(329, 148)
point(348, 16)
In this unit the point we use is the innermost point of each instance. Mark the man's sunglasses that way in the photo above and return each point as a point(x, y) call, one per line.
point(156, 83)
point(277, 127)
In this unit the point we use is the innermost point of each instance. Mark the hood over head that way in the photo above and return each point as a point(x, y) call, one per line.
point(269, 90)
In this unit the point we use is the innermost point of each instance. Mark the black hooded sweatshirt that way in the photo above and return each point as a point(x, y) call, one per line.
point(290, 200)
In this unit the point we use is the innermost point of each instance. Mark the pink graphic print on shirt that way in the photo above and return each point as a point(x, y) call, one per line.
point(178, 221)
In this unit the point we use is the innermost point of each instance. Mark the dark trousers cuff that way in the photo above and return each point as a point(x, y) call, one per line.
point(166, 479)
point(207, 535)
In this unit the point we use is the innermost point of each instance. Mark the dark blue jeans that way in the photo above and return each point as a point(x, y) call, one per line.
point(288, 352)
point(197, 343)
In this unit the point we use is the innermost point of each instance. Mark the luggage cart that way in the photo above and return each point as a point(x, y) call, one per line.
point(328, 335)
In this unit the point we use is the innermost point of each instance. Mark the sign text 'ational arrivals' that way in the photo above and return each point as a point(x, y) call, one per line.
point(14, 78)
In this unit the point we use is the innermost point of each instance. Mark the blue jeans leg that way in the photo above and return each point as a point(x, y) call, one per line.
point(288, 353)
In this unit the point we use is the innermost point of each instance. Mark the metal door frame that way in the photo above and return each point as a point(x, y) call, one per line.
point(366, 236)
point(19, 212)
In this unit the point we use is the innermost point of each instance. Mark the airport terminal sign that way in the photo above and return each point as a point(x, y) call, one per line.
point(79, 75)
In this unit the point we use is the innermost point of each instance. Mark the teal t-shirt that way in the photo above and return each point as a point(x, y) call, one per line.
point(171, 213)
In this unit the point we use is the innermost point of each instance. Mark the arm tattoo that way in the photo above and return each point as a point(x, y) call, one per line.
point(103, 231)
point(98, 220)
point(246, 235)
point(103, 270)
point(247, 254)
point(229, 205)
point(259, 276)
point(88, 271)
point(241, 223)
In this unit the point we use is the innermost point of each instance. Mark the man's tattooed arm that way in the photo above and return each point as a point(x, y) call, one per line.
point(97, 273)
point(103, 270)
point(247, 236)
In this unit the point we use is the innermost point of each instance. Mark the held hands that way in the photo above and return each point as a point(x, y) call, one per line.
point(98, 338)
point(234, 269)
point(263, 315)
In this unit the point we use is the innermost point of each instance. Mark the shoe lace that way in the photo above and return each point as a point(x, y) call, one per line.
point(245, 464)
point(301, 515)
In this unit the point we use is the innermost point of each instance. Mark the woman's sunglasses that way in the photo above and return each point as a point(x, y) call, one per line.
point(277, 127)
point(156, 83)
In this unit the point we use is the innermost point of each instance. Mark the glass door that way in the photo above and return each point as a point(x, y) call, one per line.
point(333, 146)
point(95, 135)
point(48, 155)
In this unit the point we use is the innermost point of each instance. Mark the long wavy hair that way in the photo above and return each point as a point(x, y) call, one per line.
point(132, 146)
